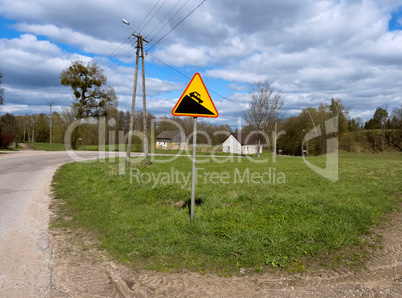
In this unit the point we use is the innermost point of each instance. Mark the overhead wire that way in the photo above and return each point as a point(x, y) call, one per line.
point(176, 26)
point(121, 56)
point(143, 20)
point(161, 21)
point(121, 53)
point(167, 23)
point(154, 14)
point(118, 56)
point(187, 77)
point(114, 53)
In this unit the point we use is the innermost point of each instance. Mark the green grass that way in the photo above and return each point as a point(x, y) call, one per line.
point(9, 149)
point(252, 225)
point(46, 146)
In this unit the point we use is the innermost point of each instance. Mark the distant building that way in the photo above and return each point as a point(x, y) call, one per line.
point(171, 139)
point(241, 143)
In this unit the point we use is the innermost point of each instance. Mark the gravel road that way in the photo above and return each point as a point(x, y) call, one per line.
point(25, 253)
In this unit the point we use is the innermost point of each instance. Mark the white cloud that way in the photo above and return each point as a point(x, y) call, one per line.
point(180, 55)
point(309, 50)
point(87, 43)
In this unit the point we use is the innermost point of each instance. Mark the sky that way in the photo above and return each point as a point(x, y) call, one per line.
point(310, 51)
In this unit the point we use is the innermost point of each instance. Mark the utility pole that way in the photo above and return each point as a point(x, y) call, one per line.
point(130, 128)
point(140, 46)
point(144, 103)
point(51, 124)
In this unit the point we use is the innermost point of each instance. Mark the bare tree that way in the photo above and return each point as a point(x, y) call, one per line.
point(265, 107)
point(1, 91)
point(397, 117)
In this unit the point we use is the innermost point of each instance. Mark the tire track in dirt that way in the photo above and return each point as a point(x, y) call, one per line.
point(81, 270)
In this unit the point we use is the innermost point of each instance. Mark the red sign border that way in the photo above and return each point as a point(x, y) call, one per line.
point(184, 94)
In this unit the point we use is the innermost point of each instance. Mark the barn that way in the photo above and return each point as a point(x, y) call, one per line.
point(171, 139)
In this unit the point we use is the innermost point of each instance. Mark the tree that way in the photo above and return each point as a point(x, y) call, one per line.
point(338, 109)
point(42, 128)
point(264, 109)
point(396, 116)
point(8, 130)
point(1, 91)
point(92, 97)
point(380, 119)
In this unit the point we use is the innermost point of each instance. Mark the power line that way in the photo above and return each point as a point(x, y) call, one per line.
point(154, 14)
point(121, 54)
point(167, 23)
point(168, 66)
point(187, 77)
point(176, 26)
point(116, 53)
point(160, 22)
point(139, 29)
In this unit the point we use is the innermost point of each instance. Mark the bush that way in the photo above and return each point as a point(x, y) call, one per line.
point(6, 138)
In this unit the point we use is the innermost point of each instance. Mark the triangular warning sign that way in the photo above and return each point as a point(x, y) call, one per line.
point(195, 101)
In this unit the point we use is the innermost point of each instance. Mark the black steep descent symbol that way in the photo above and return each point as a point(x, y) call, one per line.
point(191, 104)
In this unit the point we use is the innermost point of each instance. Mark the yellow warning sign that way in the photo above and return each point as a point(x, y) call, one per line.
point(195, 101)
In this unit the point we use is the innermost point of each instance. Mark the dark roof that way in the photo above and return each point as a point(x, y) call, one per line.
point(246, 138)
point(167, 134)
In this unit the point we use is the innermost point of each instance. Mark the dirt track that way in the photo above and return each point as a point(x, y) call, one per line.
point(80, 270)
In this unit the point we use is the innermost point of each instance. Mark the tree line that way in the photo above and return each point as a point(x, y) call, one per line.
point(36, 128)
point(383, 132)
point(93, 99)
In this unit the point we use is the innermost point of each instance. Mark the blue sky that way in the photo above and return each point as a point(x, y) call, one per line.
point(310, 51)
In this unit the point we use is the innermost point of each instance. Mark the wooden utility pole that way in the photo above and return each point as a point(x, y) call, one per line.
point(140, 46)
point(130, 128)
point(144, 103)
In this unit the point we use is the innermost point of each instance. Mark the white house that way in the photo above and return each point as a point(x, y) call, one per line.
point(241, 143)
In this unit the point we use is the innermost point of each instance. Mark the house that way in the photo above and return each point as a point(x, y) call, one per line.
point(171, 139)
point(241, 143)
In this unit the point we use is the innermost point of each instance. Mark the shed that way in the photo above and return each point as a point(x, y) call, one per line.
point(171, 139)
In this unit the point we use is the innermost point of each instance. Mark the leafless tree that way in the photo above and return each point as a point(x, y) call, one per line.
point(1, 91)
point(265, 107)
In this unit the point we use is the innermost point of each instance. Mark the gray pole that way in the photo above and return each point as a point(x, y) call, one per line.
point(144, 103)
point(130, 129)
point(194, 172)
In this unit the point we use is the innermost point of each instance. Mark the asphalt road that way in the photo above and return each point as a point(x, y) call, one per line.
point(25, 252)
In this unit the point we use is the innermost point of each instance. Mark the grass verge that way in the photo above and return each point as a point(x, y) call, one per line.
point(239, 220)
point(46, 146)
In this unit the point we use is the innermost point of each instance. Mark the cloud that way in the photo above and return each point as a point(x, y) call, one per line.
point(309, 50)
point(87, 43)
point(32, 63)
point(180, 55)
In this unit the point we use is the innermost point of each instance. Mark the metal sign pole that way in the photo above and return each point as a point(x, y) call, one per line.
point(194, 172)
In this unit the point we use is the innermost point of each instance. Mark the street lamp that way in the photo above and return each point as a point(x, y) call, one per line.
point(128, 24)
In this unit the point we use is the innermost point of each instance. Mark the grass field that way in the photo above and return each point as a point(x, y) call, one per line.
point(249, 215)
point(46, 146)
